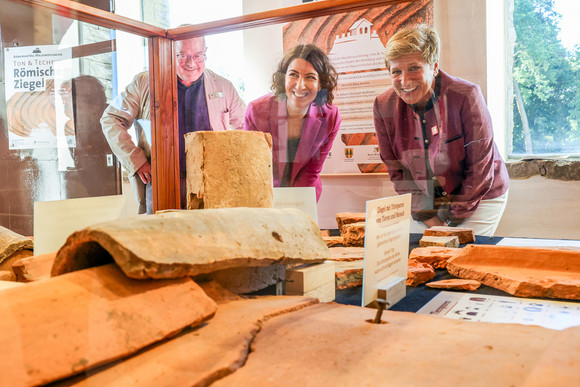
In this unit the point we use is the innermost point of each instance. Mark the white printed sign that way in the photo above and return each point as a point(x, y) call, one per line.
point(386, 243)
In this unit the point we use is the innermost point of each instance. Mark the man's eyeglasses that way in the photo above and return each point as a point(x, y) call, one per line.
point(197, 58)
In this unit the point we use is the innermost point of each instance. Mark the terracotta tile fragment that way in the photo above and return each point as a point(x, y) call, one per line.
point(442, 241)
point(188, 243)
point(65, 325)
point(34, 268)
point(231, 168)
point(15, 257)
point(301, 348)
point(418, 273)
point(459, 284)
point(11, 242)
point(436, 256)
point(347, 253)
point(333, 240)
point(7, 275)
point(349, 274)
point(354, 234)
point(464, 234)
point(521, 271)
point(201, 356)
point(343, 218)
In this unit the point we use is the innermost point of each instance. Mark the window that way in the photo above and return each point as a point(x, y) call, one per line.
point(546, 78)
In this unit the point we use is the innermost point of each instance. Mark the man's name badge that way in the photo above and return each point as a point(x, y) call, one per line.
point(217, 94)
point(434, 130)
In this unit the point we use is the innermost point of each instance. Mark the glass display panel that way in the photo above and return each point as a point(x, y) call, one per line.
point(58, 76)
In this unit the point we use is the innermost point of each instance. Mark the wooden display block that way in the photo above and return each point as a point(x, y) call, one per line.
point(393, 292)
point(316, 280)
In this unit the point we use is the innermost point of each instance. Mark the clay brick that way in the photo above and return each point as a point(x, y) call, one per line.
point(34, 268)
point(434, 255)
point(521, 271)
point(343, 218)
point(464, 234)
point(418, 273)
point(442, 241)
point(459, 284)
point(188, 243)
point(231, 168)
point(354, 234)
point(202, 356)
point(68, 324)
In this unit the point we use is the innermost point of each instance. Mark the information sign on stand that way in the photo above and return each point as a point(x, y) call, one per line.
point(386, 248)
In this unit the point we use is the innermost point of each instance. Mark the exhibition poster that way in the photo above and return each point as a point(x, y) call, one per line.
point(38, 100)
point(355, 43)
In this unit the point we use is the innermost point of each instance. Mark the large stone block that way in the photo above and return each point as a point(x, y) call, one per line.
point(230, 168)
point(188, 243)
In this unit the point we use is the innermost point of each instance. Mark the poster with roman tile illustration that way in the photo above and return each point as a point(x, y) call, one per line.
point(355, 43)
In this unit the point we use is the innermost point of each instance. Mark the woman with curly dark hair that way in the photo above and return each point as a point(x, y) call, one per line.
point(299, 115)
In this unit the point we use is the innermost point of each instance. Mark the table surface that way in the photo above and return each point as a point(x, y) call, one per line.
point(420, 295)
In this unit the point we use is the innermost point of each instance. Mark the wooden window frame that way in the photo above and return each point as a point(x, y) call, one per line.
point(163, 85)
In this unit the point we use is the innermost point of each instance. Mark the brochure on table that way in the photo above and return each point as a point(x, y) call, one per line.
point(498, 309)
point(386, 244)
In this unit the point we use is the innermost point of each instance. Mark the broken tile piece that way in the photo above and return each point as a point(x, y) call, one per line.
point(464, 234)
point(521, 271)
point(436, 256)
point(34, 268)
point(418, 273)
point(349, 274)
point(11, 242)
point(347, 253)
point(343, 218)
point(443, 241)
point(354, 234)
point(333, 240)
point(188, 243)
point(458, 284)
point(67, 324)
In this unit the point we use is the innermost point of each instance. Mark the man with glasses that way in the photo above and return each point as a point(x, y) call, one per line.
point(205, 100)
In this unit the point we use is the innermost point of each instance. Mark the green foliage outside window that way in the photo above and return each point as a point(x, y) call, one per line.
point(546, 76)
